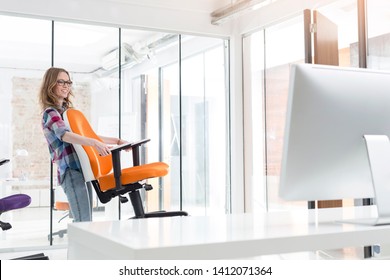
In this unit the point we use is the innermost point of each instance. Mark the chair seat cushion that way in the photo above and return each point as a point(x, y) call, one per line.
point(134, 174)
point(61, 205)
point(15, 201)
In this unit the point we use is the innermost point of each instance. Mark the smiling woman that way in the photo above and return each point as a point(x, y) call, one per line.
point(55, 98)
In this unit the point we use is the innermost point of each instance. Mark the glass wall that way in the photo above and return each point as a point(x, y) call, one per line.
point(266, 70)
point(289, 33)
point(79, 49)
point(378, 33)
point(254, 126)
point(203, 107)
point(24, 56)
point(268, 54)
point(132, 84)
point(185, 96)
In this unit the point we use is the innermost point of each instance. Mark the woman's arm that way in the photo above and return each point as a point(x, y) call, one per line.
point(74, 138)
point(113, 140)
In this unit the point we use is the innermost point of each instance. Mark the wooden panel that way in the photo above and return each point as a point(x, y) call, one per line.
point(329, 203)
point(325, 40)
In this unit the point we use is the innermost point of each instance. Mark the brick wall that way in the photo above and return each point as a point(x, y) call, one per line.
point(26, 127)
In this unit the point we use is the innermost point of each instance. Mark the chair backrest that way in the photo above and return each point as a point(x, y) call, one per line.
point(93, 166)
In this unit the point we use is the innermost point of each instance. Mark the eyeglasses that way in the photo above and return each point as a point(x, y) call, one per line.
point(63, 83)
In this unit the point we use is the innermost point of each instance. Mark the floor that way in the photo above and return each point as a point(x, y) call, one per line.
point(52, 253)
point(30, 236)
point(30, 233)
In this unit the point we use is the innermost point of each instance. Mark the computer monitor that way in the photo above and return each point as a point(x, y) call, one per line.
point(336, 143)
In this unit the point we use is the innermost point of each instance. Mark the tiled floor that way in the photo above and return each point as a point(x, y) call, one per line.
point(17, 243)
point(30, 233)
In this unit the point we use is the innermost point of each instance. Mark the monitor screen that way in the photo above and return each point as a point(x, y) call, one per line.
point(330, 110)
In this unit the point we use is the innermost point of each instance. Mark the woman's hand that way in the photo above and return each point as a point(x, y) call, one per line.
point(102, 148)
point(121, 142)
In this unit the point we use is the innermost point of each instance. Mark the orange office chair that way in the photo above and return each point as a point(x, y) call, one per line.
point(105, 173)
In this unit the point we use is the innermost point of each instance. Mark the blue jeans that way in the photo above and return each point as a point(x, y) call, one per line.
point(78, 194)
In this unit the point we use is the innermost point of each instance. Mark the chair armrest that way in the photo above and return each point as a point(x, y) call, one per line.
point(129, 145)
point(140, 142)
point(121, 147)
point(116, 160)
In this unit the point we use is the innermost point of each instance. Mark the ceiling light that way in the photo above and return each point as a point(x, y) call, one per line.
point(237, 9)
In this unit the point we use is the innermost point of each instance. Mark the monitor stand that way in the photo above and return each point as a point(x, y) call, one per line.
point(378, 149)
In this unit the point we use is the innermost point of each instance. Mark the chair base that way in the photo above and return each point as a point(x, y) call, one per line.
point(136, 201)
point(60, 233)
point(39, 256)
point(5, 226)
point(160, 214)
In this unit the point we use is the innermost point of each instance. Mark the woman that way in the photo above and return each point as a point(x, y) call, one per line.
point(54, 97)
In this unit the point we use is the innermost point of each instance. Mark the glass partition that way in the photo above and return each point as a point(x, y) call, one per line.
point(266, 73)
point(131, 84)
point(90, 54)
point(181, 84)
point(277, 70)
point(254, 128)
point(25, 53)
point(203, 125)
point(171, 132)
point(378, 33)
point(143, 111)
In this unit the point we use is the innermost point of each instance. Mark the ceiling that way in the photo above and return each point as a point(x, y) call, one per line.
point(26, 42)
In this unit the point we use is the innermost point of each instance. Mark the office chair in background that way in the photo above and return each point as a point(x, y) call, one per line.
point(12, 202)
point(106, 175)
point(61, 204)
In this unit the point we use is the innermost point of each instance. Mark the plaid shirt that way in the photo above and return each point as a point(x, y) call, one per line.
point(62, 153)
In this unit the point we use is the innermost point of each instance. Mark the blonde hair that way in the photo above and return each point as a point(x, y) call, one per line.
point(47, 97)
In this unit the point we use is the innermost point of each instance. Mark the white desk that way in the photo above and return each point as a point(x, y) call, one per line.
point(224, 237)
